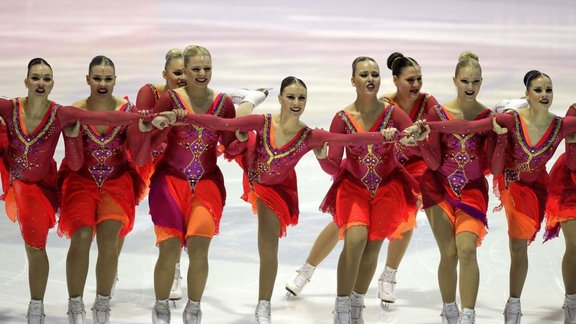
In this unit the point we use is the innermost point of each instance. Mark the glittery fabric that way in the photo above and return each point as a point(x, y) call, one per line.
point(271, 164)
point(418, 112)
point(191, 149)
point(528, 160)
point(461, 154)
point(190, 155)
point(374, 168)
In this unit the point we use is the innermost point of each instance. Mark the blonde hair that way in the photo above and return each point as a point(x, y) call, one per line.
point(194, 50)
point(172, 54)
point(467, 59)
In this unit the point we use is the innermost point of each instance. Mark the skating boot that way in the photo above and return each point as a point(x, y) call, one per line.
point(305, 273)
point(76, 312)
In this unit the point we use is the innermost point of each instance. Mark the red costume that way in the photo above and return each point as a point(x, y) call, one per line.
point(147, 97)
point(32, 198)
point(189, 161)
point(455, 178)
point(524, 178)
point(95, 187)
point(561, 205)
point(370, 187)
point(270, 169)
point(410, 159)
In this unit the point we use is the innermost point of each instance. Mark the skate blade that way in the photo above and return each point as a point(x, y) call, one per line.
point(385, 305)
point(290, 293)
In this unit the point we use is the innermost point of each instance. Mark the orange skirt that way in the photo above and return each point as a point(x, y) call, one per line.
point(281, 198)
point(383, 214)
point(561, 204)
point(84, 205)
point(34, 206)
point(473, 198)
point(172, 205)
point(524, 204)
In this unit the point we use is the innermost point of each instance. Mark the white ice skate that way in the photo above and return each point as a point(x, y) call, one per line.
point(342, 311)
point(161, 312)
point(176, 290)
point(76, 312)
point(101, 310)
point(569, 309)
point(467, 316)
point(263, 312)
point(36, 312)
point(255, 97)
point(450, 313)
point(114, 285)
point(386, 286)
point(357, 308)
point(192, 313)
point(512, 312)
point(303, 277)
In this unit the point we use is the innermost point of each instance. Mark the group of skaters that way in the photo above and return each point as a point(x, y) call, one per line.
point(403, 152)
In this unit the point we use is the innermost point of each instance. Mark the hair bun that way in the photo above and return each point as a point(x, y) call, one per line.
point(466, 55)
point(393, 57)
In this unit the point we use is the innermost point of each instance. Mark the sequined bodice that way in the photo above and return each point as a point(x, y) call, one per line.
point(28, 154)
point(527, 161)
point(370, 163)
point(271, 165)
point(461, 162)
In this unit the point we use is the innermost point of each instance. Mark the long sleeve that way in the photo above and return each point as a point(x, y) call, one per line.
point(5, 107)
point(164, 103)
point(243, 124)
point(499, 156)
point(568, 125)
point(431, 147)
point(146, 98)
point(139, 143)
point(74, 152)
point(461, 126)
point(571, 146)
point(331, 164)
point(68, 115)
point(319, 136)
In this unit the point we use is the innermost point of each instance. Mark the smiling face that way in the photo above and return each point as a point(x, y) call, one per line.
point(468, 82)
point(409, 82)
point(366, 78)
point(101, 80)
point(199, 70)
point(174, 73)
point(293, 99)
point(39, 81)
point(540, 92)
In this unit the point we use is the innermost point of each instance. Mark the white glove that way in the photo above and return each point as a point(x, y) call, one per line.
point(255, 97)
point(508, 104)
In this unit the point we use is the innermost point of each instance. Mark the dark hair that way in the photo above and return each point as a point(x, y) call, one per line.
point(531, 76)
point(100, 60)
point(290, 80)
point(467, 59)
point(397, 61)
point(36, 61)
point(360, 59)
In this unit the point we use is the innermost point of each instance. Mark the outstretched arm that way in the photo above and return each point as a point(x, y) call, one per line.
point(69, 115)
point(331, 163)
point(571, 142)
point(461, 126)
point(73, 147)
point(320, 136)
point(243, 124)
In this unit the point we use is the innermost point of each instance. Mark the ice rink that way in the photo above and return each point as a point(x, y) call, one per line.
point(256, 44)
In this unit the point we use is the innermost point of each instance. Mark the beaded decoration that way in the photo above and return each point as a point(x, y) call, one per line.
point(25, 141)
